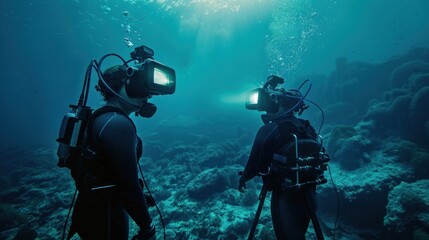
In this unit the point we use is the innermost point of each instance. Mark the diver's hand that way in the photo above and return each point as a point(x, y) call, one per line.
point(242, 185)
point(150, 201)
point(148, 234)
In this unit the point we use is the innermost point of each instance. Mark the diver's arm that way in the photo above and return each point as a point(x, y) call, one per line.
point(260, 145)
point(119, 140)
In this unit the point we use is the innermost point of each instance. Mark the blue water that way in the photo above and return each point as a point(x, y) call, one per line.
point(219, 49)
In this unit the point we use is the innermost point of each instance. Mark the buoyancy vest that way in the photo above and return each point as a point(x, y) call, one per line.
point(306, 135)
point(285, 160)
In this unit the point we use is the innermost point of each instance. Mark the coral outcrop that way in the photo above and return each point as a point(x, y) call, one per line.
point(408, 210)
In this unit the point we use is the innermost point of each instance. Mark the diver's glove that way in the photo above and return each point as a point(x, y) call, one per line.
point(148, 234)
point(150, 201)
point(242, 185)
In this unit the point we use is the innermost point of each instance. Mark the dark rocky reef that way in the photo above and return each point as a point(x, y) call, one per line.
point(408, 210)
point(353, 87)
point(377, 134)
point(35, 203)
point(382, 146)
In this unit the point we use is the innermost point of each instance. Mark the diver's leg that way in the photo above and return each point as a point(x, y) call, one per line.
point(310, 195)
point(118, 221)
point(289, 215)
point(90, 217)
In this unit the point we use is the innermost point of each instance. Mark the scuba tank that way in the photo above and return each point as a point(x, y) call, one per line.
point(71, 137)
point(72, 133)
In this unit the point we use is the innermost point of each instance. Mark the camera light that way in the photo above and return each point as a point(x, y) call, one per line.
point(160, 77)
point(253, 98)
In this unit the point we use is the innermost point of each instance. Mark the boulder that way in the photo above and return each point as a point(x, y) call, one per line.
point(348, 148)
point(362, 192)
point(208, 183)
point(408, 209)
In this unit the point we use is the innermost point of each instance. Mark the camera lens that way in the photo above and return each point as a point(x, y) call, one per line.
point(130, 71)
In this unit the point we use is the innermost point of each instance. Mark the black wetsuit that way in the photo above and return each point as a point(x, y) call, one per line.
point(103, 214)
point(289, 209)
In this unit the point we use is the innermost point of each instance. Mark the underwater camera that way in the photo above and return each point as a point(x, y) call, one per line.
point(148, 77)
point(269, 98)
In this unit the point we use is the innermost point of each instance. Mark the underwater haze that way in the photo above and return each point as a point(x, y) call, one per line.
point(368, 61)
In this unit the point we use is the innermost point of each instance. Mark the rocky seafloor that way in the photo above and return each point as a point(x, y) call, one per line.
point(376, 131)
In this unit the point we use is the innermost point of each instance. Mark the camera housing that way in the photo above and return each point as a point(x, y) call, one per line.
point(146, 78)
point(260, 99)
point(266, 98)
point(150, 78)
point(269, 97)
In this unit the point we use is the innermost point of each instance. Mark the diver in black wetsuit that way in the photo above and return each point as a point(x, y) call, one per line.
point(290, 208)
point(106, 169)
point(102, 213)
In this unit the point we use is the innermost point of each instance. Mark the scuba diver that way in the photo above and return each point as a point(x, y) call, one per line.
point(287, 154)
point(102, 148)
